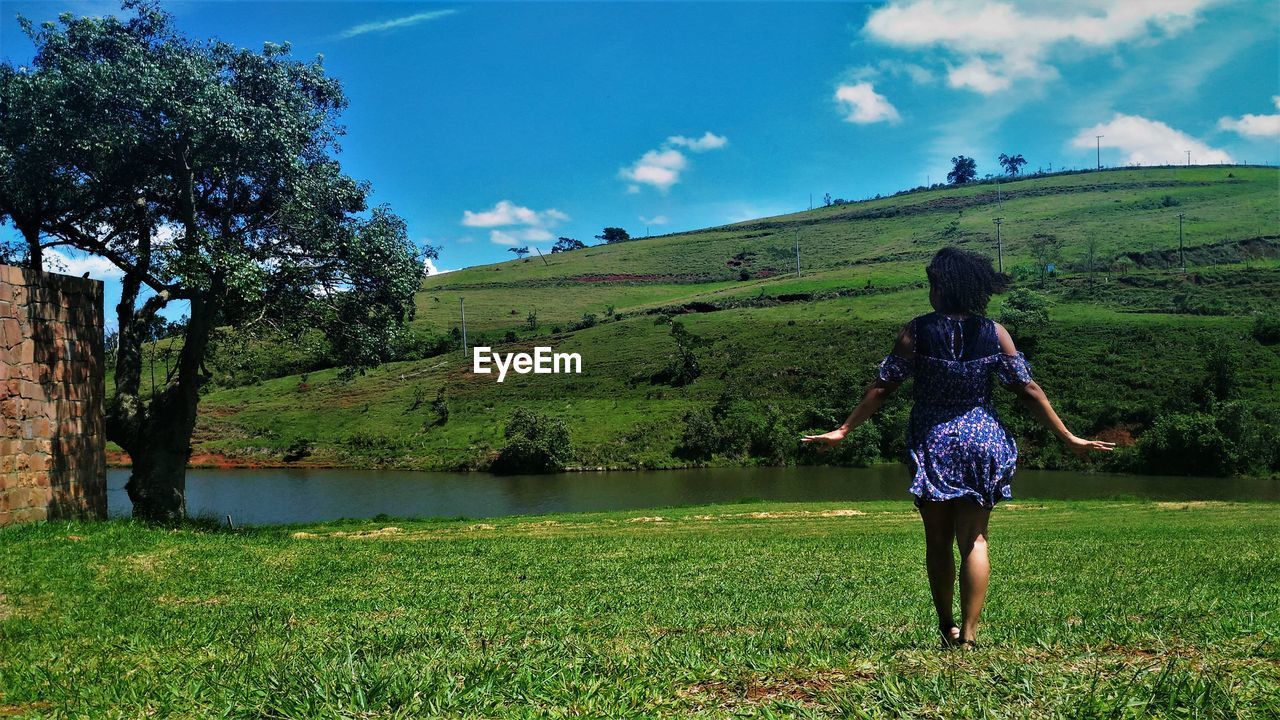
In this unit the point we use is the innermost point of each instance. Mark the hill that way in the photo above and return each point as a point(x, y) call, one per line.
point(1130, 338)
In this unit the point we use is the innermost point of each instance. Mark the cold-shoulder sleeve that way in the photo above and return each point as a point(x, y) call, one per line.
point(895, 368)
point(1013, 370)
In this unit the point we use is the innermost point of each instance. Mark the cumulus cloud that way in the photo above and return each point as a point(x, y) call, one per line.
point(994, 43)
point(1149, 142)
point(61, 261)
point(514, 224)
point(393, 24)
point(661, 168)
point(1251, 125)
point(655, 220)
point(709, 141)
point(432, 269)
point(506, 213)
point(863, 105)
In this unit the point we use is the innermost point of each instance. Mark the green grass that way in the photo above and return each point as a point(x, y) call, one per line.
point(1097, 609)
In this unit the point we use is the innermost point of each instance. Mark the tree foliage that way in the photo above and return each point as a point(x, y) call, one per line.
point(613, 235)
point(206, 173)
point(565, 244)
point(963, 170)
point(1012, 164)
point(536, 443)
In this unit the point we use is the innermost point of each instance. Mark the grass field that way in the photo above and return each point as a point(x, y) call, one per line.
point(1109, 609)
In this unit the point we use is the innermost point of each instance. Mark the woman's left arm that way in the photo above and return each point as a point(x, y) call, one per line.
point(872, 399)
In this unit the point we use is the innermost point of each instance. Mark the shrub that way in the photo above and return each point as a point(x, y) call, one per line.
point(536, 443)
point(1186, 444)
point(1266, 329)
point(588, 321)
point(1024, 312)
point(682, 365)
point(298, 449)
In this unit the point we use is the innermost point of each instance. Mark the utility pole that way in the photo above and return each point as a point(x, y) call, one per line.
point(1098, 139)
point(1188, 158)
point(544, 257)
point(462, 305)
point(999, 250)
point(1181, 255)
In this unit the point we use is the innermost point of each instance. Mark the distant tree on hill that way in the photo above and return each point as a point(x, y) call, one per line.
point(519, 251)
point(963, 170)
point(614, 235)
point(1012, 165)
point(565, 244)
point(1047, 250)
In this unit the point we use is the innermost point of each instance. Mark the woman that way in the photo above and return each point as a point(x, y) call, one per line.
point(961, 455)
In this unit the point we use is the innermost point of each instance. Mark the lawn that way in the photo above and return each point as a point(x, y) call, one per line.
point(1097, 609)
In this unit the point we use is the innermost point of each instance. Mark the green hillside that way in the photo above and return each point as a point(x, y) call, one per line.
point(1131, 342)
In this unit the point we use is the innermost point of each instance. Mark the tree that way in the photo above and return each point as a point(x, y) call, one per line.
point(1024, 313)
point(536, 443)
point(963, 170)
point(206, 174)
point(1047, 250)
point(565, 244)
point(614, 235)
point(519, 251)
point(1013, 164)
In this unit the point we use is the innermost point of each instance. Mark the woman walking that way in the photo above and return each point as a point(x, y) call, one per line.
point(961, 456)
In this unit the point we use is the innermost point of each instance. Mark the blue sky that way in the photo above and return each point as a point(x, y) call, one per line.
point(492, 124)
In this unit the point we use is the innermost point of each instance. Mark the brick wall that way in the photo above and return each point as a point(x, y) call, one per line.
point(52, 443)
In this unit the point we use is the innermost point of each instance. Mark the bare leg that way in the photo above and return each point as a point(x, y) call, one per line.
point(975, 569)
point(939, 559)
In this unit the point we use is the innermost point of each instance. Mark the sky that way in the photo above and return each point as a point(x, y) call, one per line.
point(494, 125)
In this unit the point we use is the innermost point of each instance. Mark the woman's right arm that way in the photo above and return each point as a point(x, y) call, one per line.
point(1033, 397)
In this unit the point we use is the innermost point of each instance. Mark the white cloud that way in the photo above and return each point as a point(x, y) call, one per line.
point(864, 105)
point(433, 270)
point(506, 213)
point(497, 237)
point(1149, 142)
point(99, 268)
point(1251, 125)
point(655, 220)
point(996, 43)
point(394, 24)
point(709, 141)
point(661, 168)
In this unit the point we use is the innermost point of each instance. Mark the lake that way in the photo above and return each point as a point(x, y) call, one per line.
point(272, 496)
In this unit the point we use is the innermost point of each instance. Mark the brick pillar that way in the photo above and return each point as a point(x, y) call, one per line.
point(52, 440)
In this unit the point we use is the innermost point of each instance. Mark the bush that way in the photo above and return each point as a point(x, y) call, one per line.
point(536, 443)
point(1186, 444)
point(588, 321)
point(682, 365)
point(1024, 313)
point(1266, 329)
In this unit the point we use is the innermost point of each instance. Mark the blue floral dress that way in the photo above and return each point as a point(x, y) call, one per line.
point(956, 445)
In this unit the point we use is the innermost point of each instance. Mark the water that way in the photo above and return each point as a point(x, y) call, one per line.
point(308, 495)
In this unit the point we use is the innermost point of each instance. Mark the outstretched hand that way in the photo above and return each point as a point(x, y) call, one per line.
point(824, 441)
point(1081, 446)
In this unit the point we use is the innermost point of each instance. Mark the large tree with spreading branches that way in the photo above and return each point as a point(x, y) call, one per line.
point(207, 174)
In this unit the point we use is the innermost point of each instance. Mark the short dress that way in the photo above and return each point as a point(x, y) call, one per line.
point(956, 445)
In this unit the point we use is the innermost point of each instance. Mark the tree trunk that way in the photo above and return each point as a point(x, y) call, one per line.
point(161, 446)
point(35, 256)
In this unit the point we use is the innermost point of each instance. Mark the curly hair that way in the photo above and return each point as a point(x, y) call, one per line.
point(964, 280)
